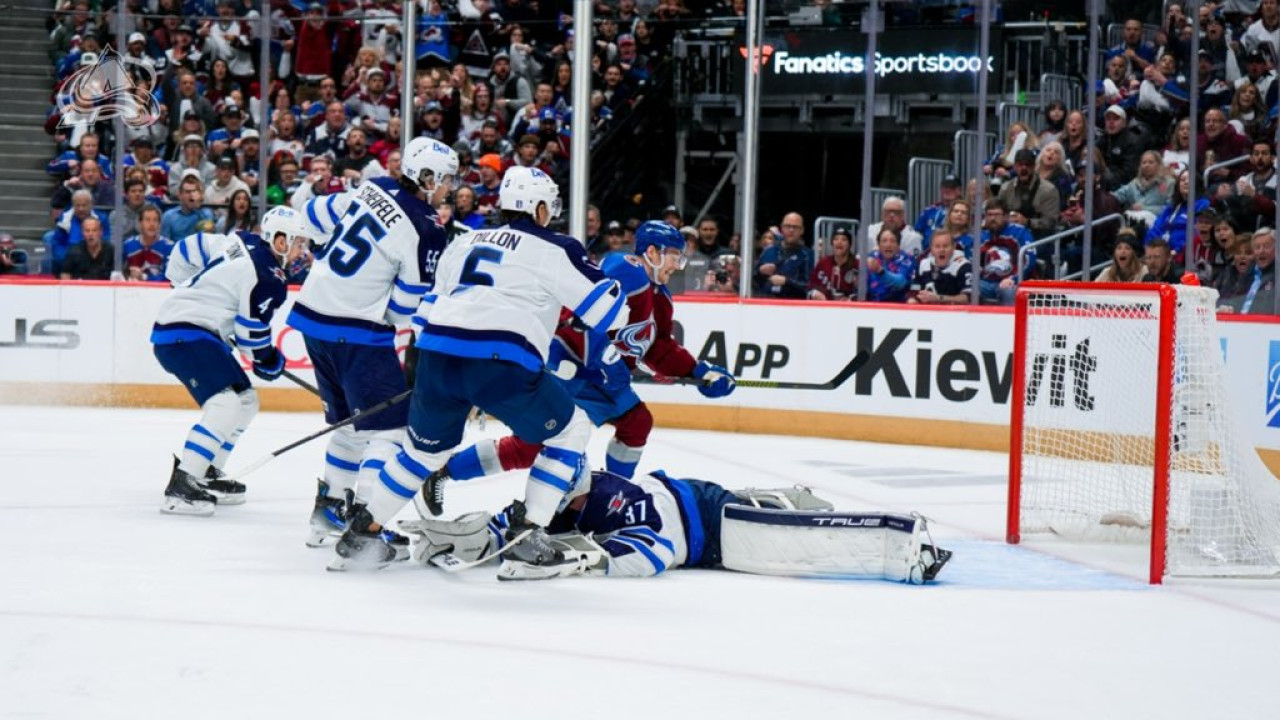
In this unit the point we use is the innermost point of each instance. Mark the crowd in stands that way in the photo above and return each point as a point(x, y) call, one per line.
point(494, 82)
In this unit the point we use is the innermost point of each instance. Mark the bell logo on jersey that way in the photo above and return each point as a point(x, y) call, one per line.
point(1273, 385)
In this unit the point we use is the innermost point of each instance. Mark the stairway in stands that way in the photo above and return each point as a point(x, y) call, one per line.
point(26, 77)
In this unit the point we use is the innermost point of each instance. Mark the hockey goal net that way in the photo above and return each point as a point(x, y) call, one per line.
point(1124, 431)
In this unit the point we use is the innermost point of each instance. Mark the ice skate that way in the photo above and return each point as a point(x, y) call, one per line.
point(535, 548)
point(228, 492)
point(184, 496)
point(429, 501)
point(328, 518)
point(362, 549)
point(932, 558)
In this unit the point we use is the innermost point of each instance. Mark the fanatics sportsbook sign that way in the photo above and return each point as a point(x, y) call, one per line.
point(833, 62)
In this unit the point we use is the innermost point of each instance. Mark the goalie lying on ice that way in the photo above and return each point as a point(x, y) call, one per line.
point(641, 527)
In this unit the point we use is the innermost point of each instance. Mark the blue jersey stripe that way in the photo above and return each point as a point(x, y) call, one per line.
point(334, 329)
point(658, 565)
point(248, 344)
point(182, 247)
point(394, 306)
point(251, 323)
point(311, 214)
point(649, 533)
point(204, 255)
point(329, 206)
point(599, 290)
point(411, 289)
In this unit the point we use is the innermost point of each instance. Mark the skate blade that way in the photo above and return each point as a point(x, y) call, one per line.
point(342, 564)
point(196, 508)
point(518, 571)
point(319, 540)
point(225, 499)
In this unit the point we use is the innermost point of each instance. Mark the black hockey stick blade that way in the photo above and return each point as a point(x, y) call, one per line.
point(845, 373)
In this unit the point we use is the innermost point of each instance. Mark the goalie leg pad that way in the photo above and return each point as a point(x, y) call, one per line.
point(809, 544)
point(466, 537)
point(797, 497)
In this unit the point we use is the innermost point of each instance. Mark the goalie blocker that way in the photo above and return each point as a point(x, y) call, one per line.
point(632, 528)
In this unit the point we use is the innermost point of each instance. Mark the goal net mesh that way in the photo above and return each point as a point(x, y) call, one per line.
point(1087, 447)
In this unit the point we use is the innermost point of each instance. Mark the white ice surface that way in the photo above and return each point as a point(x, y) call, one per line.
point(109, 609)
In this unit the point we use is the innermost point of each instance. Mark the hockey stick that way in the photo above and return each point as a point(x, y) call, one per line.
point(845, 373)
point(451, 563)
point(302, 383)
point(320, 433)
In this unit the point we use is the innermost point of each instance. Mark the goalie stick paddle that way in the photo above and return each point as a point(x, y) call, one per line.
point(451, 563)
point(845, 373)
point(321, 433)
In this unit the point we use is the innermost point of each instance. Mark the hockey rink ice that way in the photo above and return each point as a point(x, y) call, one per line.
point(109, 609)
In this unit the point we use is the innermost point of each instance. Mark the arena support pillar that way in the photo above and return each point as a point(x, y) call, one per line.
point(580, 129)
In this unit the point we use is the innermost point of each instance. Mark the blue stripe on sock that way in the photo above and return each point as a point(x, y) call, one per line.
point(547, 478)
point(341, 464)
point(202, 452)
point(568, 457)
point(394, 486)
point(205, 431)
point(373, 464)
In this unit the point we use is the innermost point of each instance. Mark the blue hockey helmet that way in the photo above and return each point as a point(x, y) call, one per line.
point(660, 234)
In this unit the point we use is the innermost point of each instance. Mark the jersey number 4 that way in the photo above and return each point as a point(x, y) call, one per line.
point(356, 242)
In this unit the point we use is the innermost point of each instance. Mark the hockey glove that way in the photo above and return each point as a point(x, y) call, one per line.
point(716, 381)
point(268, 363)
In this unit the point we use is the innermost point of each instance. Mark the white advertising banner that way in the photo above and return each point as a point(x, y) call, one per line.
point(926, 364)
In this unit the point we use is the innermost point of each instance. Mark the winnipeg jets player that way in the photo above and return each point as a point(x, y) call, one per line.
point(232, 298)
point(646, 337)
point(610, 525)
point(368, 278)
point(486, 328)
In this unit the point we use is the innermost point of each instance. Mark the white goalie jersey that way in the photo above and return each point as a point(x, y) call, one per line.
point(371, 274)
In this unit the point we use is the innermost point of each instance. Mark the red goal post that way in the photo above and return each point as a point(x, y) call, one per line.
point(1120, 430)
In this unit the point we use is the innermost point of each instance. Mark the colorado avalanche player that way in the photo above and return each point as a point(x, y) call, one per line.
point(366, 280)
point(232, 298)
point(486, 328)
point(610, 525)
point(647, 337)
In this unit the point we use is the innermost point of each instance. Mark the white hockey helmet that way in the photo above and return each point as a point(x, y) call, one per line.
point(427, 159)
point(523, 189)
point(286, 220)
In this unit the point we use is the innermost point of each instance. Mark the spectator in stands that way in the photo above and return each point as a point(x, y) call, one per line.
point(330, 137)
point(724, 275)
point(144, 156)
point(1177, 155)
point(227, 137)
point(1032, 202)
point(783, 269)
point(1266, 29)
point(490, 180)
point(1159, 261)
point(1055, 117)
point(147, 251)
point(672, 216)
point(935, 216)
point(464, 208)
point(1218, 143)
point(889, 268)
point(1051, 167)
point(374, 105)
point(12, 260)
point(284, 136)
point(91, 259)
point(68, 164)
point(481, 112)
point(219, 85)
point(247, 158)
point(1138, 52)
point(617, 94)
point(959, 226)
point(1262, 178)
point(68, 229)
point(224, 184)
point(1233, 280)
point(893, 215)
point(288, 182)
point(510, 91)
point(1248, 112)
point(1213, 91)
point(193, 158)
point(702, 253)
point(1216, 254)
point(1000, 166)
point(491, 142)
point(230, 39)
point(1001, 241)
point(239, 215)
point(1147, 194)
point(835, 277)
point(1259, 67)
point(945, 276)
point(1120, 83)
point(1125, 267)
point(91, 179)
point(439, 122)
point(190, 216)
point(1121, 147)
point(352, 165)
point(1172, 223)
point(1163, 92)
point(182, 53)
point(1259, 299)
point(1074, 139)
point(188, 100)
point(320, 181)
point(135, 201)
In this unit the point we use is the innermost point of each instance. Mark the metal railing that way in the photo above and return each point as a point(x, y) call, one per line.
point(825, 226)
point(1029, 115)
point(879, 195)
point(1056, 241)
point(1068, 89)
point(924, 175)
point(1224, 164)
point(1031, 50)
point(966, 153)
point(1093, 272)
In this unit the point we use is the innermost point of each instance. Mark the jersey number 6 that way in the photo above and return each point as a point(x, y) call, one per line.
point(358, 238)
point(470, 274)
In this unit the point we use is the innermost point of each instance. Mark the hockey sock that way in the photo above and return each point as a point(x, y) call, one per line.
point(631, 432)
point(399, 479)
point(342, 460)
point(621, 459)
point(549, 479)
point(206, 438)
point(381, 448)
point(248, 410)
point(471, 463)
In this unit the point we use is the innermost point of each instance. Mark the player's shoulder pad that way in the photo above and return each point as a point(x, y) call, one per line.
point(628, 270)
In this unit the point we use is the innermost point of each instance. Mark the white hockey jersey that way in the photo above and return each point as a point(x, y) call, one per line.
point(193, 253)
point(233, 297)
point(372, 272)
point(499, 291)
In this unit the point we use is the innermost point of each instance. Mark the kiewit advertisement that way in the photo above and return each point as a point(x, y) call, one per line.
point(833, 61)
